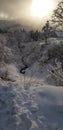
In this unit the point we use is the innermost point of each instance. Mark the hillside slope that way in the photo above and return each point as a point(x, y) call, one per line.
point(31, 94)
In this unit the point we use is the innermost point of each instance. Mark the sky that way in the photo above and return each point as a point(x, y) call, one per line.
point(21, 10)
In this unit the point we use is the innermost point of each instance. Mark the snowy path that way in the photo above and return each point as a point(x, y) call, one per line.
point(27, 104)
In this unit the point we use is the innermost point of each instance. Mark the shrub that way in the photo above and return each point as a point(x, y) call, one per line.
point(56, 52)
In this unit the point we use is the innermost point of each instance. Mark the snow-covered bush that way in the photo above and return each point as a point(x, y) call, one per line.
point(3, 71)
point(56, 74)
point(3, 55)
point(56, 51)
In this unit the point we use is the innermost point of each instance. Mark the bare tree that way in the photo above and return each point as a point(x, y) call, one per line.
point(57, 17)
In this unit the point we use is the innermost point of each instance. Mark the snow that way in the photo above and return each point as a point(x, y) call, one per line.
point(59, 33)
point(29, 101)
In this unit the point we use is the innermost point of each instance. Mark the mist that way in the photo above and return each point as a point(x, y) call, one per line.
point(20, 11)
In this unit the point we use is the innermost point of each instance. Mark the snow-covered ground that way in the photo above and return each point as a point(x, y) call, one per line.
point(28, 101)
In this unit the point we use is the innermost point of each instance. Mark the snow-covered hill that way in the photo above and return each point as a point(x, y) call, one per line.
point(31, 84)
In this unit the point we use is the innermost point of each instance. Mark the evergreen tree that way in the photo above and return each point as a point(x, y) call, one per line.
point(46, 30)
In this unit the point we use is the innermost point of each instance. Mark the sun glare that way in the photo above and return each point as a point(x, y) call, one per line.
point(41, 8)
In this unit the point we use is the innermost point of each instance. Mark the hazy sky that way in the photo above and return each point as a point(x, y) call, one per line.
point(20, 9)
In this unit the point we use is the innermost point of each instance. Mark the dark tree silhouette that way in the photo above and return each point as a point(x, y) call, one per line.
point(32, 34)
point(57, 17)
point(36, 35)
point(47, 29)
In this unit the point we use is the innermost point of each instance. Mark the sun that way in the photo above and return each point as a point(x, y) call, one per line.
point(41, 8)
